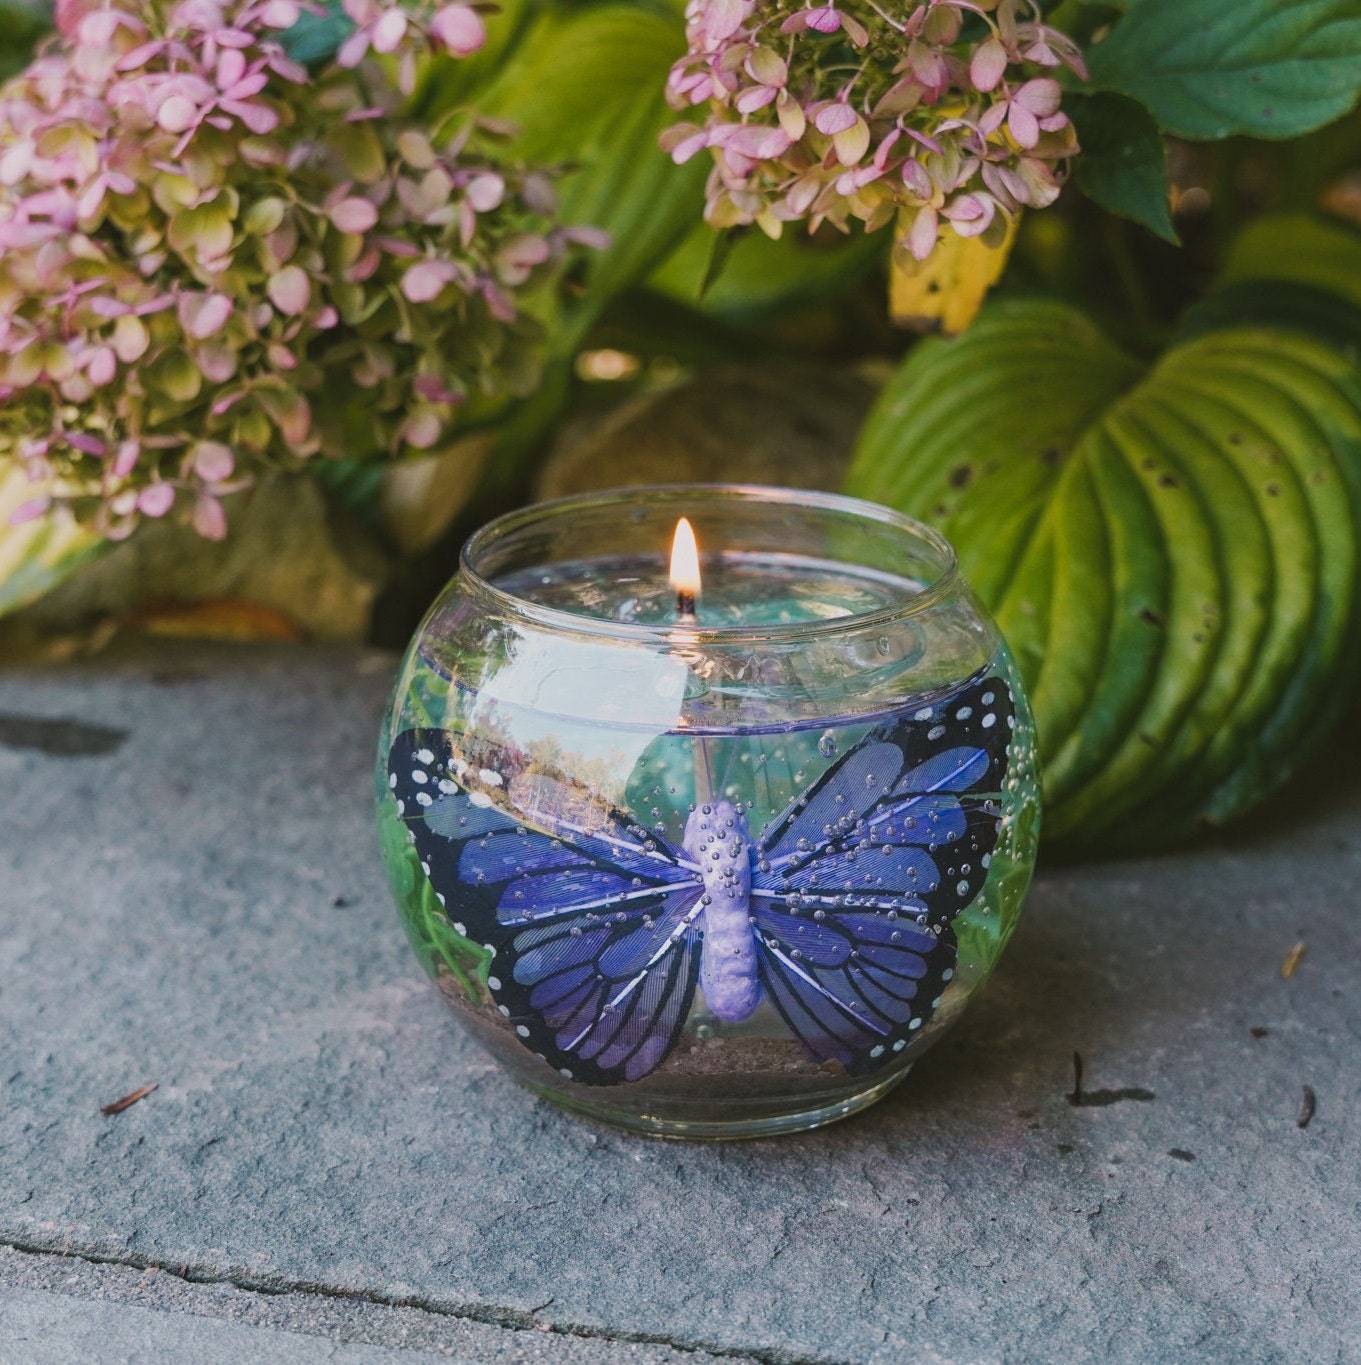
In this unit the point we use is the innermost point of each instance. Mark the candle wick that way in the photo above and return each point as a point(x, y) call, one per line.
point(685, 605)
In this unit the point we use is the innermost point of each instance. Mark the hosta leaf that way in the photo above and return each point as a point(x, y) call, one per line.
point(1210, 69)
point(1297, 270)
point(37, 555)
point(586, 91)
point(1171, 551)
point(1301, 248)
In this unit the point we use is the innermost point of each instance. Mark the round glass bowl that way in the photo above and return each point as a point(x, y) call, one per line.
point(717, 875)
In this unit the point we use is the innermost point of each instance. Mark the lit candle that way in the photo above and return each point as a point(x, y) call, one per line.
point(797, 819)
point(685, 577)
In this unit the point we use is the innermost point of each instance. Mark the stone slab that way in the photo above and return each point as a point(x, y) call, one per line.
point(53, 1329)
point(190, 894)
point(64, 1308)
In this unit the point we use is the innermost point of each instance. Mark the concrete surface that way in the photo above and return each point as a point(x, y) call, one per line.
point(46, 1329)
point(190, 894)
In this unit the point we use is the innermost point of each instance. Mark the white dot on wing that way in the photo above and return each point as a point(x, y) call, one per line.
point(935, 732)
point(425, 799)
point(401, 806)
point(989, 721)
point(392, 780)
point(964, 713)
point(916, 1023)
point(923, 714)
point(424, 756)
point(503, 1009)
point(522, 1030)
point(494, 983)
point(419, 777)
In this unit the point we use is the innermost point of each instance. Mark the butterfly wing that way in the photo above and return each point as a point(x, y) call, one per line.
point(859, 880)
point(593, 924)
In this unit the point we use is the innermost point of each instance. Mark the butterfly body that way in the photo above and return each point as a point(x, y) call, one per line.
point(600, 931)
point(717, 838)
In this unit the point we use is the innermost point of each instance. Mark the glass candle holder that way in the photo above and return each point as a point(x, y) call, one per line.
point(718, 874)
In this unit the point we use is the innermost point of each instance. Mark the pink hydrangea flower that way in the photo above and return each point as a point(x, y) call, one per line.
point(930, 115)
point(213, 264)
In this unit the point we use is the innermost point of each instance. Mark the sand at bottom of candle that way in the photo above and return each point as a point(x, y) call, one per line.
point(714, 1068)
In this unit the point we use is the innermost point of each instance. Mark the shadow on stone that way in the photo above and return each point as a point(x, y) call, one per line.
point(59, 738)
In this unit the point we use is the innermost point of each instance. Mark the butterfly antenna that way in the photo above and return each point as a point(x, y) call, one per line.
point(728, 767)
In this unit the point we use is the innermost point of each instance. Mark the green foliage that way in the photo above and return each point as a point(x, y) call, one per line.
point(440, 949)
point(762, 277)
point(1298, 271)
point(38, 555)
point(1123, 165)
point(1210, 69)
point(582, 86)
point(316, 36)
point(585, 90)
point(1299, 249)
point(22, 24)
point(1171, 550)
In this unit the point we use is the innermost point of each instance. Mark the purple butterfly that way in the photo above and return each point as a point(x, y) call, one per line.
point(839, 912)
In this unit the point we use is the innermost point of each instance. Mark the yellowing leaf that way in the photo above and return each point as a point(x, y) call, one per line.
point(218, 619)
point(36, 555)
point(945, 291)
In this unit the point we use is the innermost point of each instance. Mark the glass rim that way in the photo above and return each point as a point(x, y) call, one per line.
point(676, 633)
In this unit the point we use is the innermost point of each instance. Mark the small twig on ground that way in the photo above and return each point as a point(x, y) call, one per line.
point(129, 1099)
point(1099, 1099)
point(1307, 1107)
point(1292, 960)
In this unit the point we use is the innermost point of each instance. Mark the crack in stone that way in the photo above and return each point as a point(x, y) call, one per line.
point(512, 1319)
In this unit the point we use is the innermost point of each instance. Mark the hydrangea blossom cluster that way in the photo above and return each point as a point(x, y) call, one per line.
point(213, 263)
point(936, 114)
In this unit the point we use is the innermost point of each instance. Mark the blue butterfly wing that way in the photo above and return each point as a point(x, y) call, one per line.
point(858, 881)
point(594, 924)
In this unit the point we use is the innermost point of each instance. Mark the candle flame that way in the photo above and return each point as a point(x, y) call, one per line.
point(685, 560)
